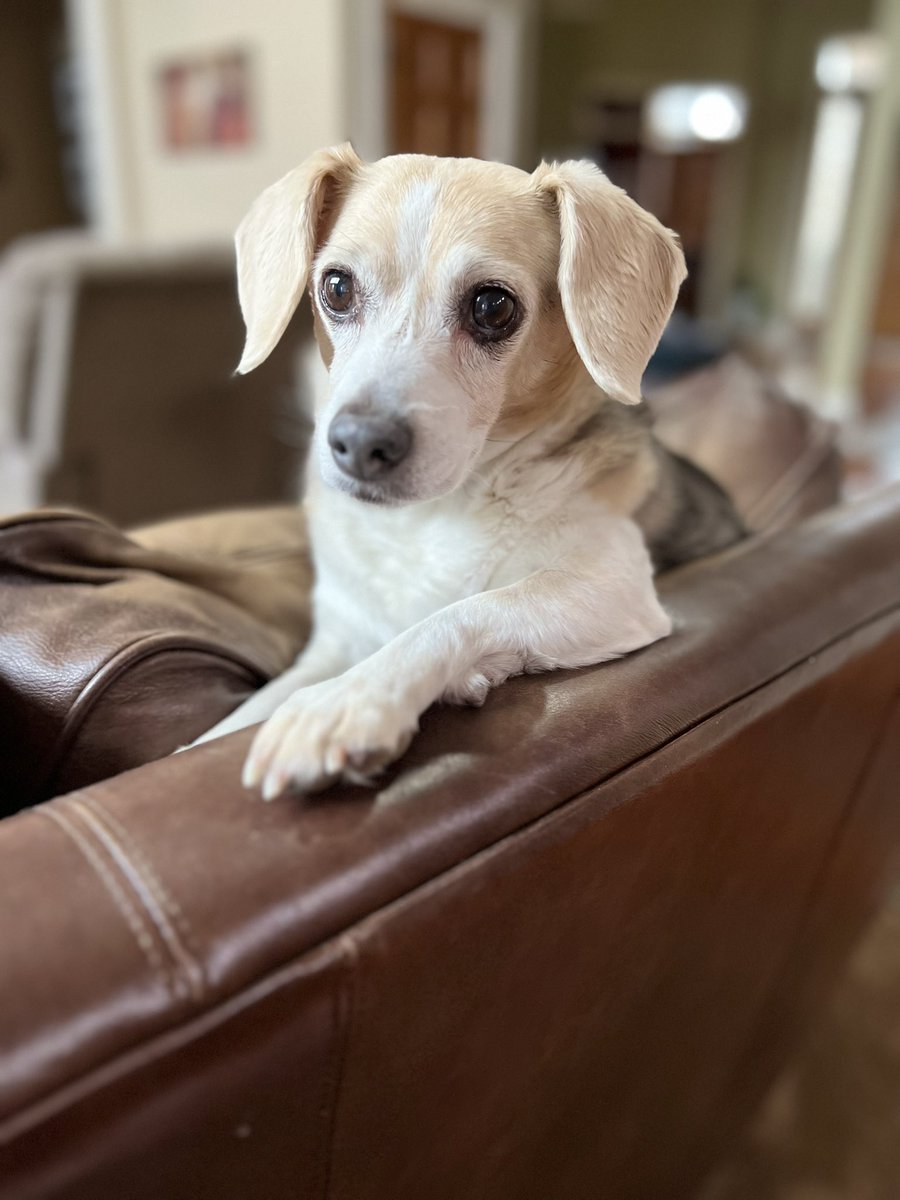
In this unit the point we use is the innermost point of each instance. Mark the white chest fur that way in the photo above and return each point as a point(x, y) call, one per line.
point(381, 570)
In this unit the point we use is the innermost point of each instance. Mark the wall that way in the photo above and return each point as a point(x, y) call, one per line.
point(144, 192)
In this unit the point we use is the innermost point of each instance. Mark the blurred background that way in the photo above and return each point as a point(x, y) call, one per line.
point(135, 133)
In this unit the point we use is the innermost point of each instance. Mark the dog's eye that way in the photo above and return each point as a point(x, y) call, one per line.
point(337, 291)
point(493, 310)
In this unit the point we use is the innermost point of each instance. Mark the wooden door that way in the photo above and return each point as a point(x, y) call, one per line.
point(435, 88)
point(881, 371)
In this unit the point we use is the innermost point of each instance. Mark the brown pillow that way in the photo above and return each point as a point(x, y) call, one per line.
point(115, 649)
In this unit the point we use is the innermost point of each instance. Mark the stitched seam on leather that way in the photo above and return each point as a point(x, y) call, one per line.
point(782, 502)
point(143, 647)
point(145, 883)
point(791, 482)
point(142, 860)
point(21, 1119)
point(123, 905)
point(346, 1001)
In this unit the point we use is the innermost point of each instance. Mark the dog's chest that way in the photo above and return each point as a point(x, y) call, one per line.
point(380, 571)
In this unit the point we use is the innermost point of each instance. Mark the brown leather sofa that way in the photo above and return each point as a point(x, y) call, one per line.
point(557, 954)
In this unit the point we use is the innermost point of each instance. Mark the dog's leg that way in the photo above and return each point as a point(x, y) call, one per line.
point(322, 658)
point(352, 726)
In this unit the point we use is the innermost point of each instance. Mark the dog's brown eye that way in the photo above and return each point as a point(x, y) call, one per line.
point(493, 310)
point(337, 291)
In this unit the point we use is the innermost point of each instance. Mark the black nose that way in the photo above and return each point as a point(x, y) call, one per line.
point(368, 445)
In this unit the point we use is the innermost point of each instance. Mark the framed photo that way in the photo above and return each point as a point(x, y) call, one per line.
point(205, 102)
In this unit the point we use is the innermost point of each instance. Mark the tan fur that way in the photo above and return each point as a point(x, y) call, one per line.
point(619, 275)
point(275, 245)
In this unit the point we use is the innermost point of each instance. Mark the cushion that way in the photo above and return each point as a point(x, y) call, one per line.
point(116, 649)
point(775, 457)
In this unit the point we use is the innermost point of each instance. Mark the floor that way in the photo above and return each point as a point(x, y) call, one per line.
point(830, 1127)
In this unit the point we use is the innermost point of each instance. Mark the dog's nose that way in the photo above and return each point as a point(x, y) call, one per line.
point(368, 445)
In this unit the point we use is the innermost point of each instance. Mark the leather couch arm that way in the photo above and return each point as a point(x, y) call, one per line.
point(602, 902)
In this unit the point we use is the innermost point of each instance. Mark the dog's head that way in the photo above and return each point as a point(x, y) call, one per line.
point(454, 300)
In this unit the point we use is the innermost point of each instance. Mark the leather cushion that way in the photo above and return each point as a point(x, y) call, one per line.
point(115, 650)
point(776, 458)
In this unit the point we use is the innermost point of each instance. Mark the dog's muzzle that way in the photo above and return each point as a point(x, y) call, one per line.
point(369, 446)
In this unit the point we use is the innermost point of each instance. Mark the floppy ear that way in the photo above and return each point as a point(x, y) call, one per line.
point(619, 274)
point(276, 242)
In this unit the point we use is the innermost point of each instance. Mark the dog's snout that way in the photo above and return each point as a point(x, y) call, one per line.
point(369, 445)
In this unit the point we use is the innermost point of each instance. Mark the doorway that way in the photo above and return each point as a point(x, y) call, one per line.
point(435, 98)
point(35, 191)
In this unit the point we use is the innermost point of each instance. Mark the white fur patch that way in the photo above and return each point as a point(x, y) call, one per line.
point(415, 216)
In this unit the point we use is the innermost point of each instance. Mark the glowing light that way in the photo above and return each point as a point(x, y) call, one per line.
point(682, 115)
point(714, 117)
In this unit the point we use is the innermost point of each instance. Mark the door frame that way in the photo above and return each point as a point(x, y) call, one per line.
point(508, 69)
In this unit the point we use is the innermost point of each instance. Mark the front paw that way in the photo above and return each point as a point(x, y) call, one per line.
point(340, 729)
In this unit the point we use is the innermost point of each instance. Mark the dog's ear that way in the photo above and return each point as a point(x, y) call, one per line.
point(276, 243)
point(619, 274)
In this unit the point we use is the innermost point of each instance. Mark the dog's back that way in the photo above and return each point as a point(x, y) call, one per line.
point(688, 515)
point(681, 511)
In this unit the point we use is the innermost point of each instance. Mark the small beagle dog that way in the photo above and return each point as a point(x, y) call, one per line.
point(485, 495)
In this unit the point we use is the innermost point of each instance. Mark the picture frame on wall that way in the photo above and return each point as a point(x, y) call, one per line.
point(206, 102)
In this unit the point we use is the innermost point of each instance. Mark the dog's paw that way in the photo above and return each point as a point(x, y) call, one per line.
point(341, 729)
point(472, 691)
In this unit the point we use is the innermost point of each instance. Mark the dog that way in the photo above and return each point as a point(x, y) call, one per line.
point(485, 496)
